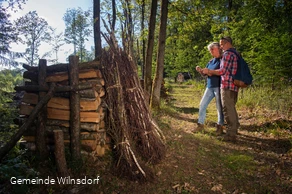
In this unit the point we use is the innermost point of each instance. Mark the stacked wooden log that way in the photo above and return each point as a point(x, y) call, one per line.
point(90, 88)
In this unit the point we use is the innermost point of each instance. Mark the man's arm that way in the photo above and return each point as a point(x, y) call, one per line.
point(210, 72)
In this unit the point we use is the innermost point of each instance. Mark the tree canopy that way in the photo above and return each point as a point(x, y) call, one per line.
point(8, 33)
point(33, 30)
point(261, 31)
point(77, 29)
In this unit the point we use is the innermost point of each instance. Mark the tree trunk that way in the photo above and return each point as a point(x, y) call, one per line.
point(150, 45)
point(74, 109)
point(14, 139)
point(143, 40)
point(97, 36)
point(113, 26)
point(130, 31)
point(155, 96)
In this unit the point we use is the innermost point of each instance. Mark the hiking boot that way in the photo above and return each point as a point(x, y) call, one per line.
point(229, 138)
point(199, 128)
point(219, 129)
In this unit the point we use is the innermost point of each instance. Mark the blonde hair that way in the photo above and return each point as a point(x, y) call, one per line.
point(212, 45)
point(215, 44)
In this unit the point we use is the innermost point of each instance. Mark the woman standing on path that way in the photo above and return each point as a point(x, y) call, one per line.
point(212, 90)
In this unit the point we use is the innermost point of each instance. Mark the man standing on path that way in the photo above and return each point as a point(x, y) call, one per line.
point(229, 92)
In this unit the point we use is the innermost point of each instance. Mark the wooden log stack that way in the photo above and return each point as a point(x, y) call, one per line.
point(88, 90)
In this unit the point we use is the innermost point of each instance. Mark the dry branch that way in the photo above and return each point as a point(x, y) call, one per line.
point(127, 164)
point(147, 135)
point(148, 138)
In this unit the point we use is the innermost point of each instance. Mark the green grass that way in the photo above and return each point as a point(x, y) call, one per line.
point(239, 162)
point(276, 100)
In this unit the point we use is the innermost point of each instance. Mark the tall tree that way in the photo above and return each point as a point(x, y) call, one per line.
point(77, 29)
point(8, 33)
point(127, 27)
point(113, 26)
point(158, 79)
point(96, 27)
point(33, 31)
point(143, 39)
point(150, 46)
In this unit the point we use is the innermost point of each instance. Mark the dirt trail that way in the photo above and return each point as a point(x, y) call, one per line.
point(259, 162)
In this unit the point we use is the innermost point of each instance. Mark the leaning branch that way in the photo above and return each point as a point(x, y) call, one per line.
point(15, 138)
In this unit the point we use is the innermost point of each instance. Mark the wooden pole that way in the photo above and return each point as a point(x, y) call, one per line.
point(74, 108)
point(60, 153)
point(42, 115)
point(14, 139)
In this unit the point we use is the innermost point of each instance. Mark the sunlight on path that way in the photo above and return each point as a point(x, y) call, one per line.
point(186, 99)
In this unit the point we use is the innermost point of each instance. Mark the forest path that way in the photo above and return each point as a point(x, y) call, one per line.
point(259, 162)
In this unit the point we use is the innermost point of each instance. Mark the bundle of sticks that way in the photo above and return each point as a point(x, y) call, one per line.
point(137, 138)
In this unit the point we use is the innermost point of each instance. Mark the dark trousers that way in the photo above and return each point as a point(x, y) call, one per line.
point(229, 99)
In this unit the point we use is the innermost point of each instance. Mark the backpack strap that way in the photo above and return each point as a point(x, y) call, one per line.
point(235, 52)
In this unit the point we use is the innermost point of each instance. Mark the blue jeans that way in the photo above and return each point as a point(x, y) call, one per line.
point(209, 94)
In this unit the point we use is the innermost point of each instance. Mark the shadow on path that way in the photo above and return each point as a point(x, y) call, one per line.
point(278, 146)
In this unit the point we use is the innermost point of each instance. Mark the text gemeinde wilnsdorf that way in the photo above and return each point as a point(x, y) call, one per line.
point(58, 180)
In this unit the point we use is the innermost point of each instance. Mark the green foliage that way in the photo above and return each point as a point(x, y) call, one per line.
point(189, 33)
point(16, 166)
point(8, 34)
point(261, 31)
point(7, 127)
point(8, 79)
